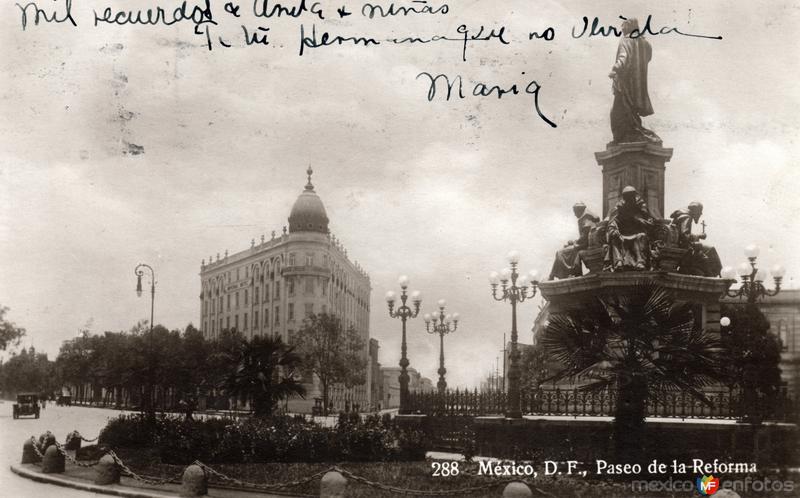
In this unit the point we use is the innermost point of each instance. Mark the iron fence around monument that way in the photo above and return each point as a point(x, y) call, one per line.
point(724, 404)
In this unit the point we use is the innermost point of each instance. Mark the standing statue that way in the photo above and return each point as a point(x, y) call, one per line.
point(630, 226)
point(568, 259)
point(701, 259)
point(631, 100)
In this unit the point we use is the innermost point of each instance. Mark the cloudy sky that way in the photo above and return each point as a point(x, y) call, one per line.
point(128, 144)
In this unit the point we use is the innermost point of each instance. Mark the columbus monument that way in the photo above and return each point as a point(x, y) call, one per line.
point(634, 240)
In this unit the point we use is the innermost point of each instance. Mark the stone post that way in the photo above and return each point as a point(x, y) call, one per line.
point(29, 453)
point(517, 490)
point(53, 461)
point(332, 485)
point(106, 471)
point(195, 481)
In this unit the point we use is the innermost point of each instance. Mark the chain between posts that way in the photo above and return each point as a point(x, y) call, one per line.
point(61, 450)
point(124, 469)
point(290, 484)
point(36, 447)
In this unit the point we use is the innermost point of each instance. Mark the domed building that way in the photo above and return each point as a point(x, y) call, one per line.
point(274, 285)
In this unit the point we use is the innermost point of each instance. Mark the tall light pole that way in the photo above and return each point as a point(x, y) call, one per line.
point(404, 312)
point(139, 271)
point(514, 288)
point(442, 324)
point(752, 289)
point(753, 277)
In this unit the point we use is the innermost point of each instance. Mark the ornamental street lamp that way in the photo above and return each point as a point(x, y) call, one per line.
point(139, 271)
point(514, 288)
point(442, 324)
point(753, 277)
point(403, 312)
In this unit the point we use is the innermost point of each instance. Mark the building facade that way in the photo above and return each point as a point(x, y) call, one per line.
point(783, 313)
point(271, 287)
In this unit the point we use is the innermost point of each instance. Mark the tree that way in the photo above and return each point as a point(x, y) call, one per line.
point(754, 356)
point(9, 332)
point(535, 367)
point(642, 344)
point(333, 354)
point(264, 374)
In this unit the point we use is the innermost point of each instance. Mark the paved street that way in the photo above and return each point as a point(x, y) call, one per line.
point(60, 421)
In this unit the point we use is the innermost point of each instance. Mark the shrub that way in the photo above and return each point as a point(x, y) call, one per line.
point(254, 440)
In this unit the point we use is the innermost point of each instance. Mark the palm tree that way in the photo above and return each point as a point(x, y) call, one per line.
point(641, 344)
point(263, 374)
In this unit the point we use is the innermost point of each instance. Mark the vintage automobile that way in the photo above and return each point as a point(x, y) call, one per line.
point(64, 400)
point(27, 404)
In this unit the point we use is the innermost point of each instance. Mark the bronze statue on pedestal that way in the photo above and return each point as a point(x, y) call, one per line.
point(631, 99)
point(568, 259)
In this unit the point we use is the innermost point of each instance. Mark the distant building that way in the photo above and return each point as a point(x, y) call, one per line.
point(783, 313)
point(272, 286)
point(391, 385)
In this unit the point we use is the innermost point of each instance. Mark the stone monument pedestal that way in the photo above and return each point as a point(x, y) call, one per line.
point(704, 292)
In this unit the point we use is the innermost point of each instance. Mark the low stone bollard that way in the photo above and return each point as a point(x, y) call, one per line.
point(29, 453)
point(517, 490)
point(73, 441)
point(332, 485)
point(106, 471)
point(194, 481)
point(46, 440)
point(53, 461)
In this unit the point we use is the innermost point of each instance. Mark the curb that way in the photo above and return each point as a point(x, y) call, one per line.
point(114, 489)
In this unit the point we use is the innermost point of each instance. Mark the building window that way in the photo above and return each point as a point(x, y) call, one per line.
point(290, 284)
point(309, 290)
point(266, 317)
point(783, 335)
point(245, 322)
point(228, 322)
point(309, 309)
point(266, 293)
point(310, 259)
point(277, 290)
point(229, 302)
point(291, 259)
point(237, 299)
point(246, 297)
point(290, 335)
point(324, 287)
point(237, 274)
point(246, 272)
point(290, 315)
point(277, 316)
point(255, 295)
point(220, 325)
point(255, 320)
point(236, 321)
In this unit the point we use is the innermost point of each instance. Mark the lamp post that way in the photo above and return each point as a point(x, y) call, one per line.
point(139, 271)
point(514, 288)
point(753, 277)
point(752, 288)
point(404, 312)
point(442, 324)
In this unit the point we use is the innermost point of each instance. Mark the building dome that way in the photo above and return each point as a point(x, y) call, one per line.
point(308, 214)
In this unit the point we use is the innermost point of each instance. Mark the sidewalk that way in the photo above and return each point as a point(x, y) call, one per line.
point(82, 478)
